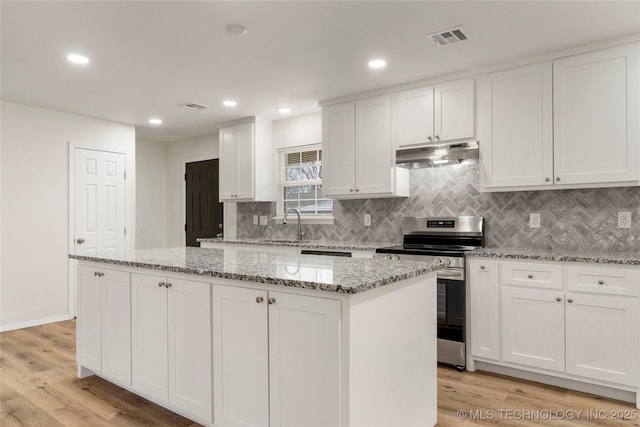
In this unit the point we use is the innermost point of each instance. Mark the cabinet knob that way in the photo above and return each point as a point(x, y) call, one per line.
point(167, 285)
point(570, 300)
point(600, 282)
point(530, 276)
point(98, 274)
point(357, 189)
point(482, 267)
point(438, 137)
point(558, 299)
point(351, 190)
point(429, 138)
point(259, 299)
point(160, 284)
point(79, 240)
point(272, 300)
point(547, 179)
point(557, 178)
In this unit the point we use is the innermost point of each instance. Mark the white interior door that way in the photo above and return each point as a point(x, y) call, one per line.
point(99, 211)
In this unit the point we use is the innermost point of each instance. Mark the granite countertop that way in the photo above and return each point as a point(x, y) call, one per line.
point(627, 258)
point(325, 273)
point(306, 244)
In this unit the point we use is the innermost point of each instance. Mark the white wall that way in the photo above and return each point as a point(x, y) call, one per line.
point(179, 153)
point(35, 206)
point(151, 194)
point(301, 130)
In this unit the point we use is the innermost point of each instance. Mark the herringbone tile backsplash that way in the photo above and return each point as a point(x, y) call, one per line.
point(578, 220)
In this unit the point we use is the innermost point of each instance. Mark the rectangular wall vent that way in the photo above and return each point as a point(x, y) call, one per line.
point(193, 106)
point(449, 37)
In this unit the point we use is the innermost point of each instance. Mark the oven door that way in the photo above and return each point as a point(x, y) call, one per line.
point(451, 304)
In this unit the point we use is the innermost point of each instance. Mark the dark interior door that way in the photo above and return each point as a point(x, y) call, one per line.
point(204, 211)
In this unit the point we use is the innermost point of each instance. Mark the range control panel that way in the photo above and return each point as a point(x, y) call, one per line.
point(441, 224)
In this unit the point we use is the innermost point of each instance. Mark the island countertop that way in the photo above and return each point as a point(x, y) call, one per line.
point(324, 273)
point(303, 244)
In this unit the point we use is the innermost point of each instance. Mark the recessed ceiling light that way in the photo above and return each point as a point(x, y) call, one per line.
point(377, 63)
point(155, 121)
point(229, 103)
point(236, 29)
point(77, 59)
point(284, 110)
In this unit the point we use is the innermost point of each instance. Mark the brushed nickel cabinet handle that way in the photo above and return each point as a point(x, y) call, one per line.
point(272, 300)
point(167, 285)
point(547, 179)
point(557, 178)
point(530, 276)
point(482, 267)
point(259, 299)
point(600, 282)
point(558, 299)
point(160, 284)
point(570, 300)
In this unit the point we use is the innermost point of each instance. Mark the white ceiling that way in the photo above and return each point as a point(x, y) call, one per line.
point(149, 56)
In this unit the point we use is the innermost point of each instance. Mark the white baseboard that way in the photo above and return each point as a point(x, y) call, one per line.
point(37, 322)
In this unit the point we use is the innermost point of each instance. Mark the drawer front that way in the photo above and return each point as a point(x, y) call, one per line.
point(542, 276)
point(604, 280)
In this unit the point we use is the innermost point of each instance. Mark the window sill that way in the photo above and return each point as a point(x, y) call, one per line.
point(306, 219)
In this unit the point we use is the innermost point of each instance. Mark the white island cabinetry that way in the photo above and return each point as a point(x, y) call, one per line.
point(272, 339)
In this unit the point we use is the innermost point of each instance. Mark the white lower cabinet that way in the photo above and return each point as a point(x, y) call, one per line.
point(602, 337)
point(577, 321)
point(104, 322)
point(484, 296)
point(533, 327)
point(277, 359)
point(171, 336)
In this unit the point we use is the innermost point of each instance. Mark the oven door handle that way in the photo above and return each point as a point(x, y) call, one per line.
point(455, 274)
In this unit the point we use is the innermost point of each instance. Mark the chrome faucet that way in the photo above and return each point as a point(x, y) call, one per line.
point(284, 222)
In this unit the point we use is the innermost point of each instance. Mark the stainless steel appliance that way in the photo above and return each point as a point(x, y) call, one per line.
point(447, 238)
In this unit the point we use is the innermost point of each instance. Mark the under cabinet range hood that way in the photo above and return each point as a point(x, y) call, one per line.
point(436, 155)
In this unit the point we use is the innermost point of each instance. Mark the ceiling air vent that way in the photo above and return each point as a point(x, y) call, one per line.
point(450, 36)
point(193, 106)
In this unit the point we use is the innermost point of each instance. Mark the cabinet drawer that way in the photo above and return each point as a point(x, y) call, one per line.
point(544, 276)
point(604, 280)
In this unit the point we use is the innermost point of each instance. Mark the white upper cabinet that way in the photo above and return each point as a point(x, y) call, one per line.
point(596, 116)
point(358, 153)
point(454, 110)
point(572, 123)
point(515, 127)
point(247, 161)
point(413, 120)
point(442, 112)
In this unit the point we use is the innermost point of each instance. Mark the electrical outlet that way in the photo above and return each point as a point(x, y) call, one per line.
point(367, 220)
point(534, 220)
point(263, 220)
point(255, 220)
point(624, 219)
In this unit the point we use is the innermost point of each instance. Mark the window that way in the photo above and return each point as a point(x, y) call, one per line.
point(301, 183)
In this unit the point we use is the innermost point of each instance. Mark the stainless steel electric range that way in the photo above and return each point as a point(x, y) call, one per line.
point(447, 238)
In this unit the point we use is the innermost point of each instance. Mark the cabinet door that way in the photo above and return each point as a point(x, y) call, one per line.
point(304, 361)
point(89, 326)
point(338, 149)
point(245, 161)
point(190, 347)
point(240, 357)
point(228, 164)
point(413, 116)
point(484, 301)
point(596, 116)
point(454, 105)
point(533, 327)
point(602, 337)
point(515, 127)
point(149, 336)
point(374, 146)
point(116, 327)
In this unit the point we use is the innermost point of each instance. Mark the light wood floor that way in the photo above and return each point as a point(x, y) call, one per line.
point(39, 387)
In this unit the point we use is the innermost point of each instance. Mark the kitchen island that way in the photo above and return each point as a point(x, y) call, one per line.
point(239, 337)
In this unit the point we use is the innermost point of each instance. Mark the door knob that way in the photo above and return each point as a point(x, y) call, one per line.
point(79, 240)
